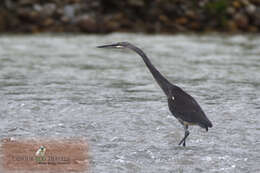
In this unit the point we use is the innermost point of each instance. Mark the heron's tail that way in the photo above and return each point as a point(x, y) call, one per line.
point(206, 124)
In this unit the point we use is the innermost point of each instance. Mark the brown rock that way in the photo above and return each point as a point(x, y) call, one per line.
point(27, 2)
point(48, 9)
point(112, 26)
point(35, 29)
point(250, 9)
point(256, 16)
point(87, 24)
point(191, 14)
point(65, 19)
point(48, 22)
point(34, 15)
point(245, 2)
point(74, 1)
point(2, 22)
point(241, 20)
point(138, 3)
point(29, 15)
point(231, 10)
point(252, 29)
point(182, 20)
point(112, 23)
point(236, 4)
point(163, 19)
point(118, 16)
point(195, 25)
point(232, 26)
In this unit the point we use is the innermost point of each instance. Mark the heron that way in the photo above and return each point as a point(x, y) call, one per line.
point(182, 105)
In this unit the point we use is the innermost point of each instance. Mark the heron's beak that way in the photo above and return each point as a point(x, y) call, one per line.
point(110, 46)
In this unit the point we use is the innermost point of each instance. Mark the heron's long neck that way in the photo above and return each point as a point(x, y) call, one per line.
point(160, 79)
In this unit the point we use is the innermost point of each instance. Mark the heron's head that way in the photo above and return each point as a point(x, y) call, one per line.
point(116, 45)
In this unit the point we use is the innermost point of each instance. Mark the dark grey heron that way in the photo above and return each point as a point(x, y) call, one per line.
point(183, 106)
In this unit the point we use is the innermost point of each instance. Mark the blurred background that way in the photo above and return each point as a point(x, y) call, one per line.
point(103, 16)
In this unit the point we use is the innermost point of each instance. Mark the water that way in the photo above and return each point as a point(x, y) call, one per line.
point(62, 86)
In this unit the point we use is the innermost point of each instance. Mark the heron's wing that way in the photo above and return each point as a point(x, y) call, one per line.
point(186, 108)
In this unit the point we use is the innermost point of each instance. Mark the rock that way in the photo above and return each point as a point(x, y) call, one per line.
point(130, 15)
point(73, 1)
point(256, 16)
point(191, 14)
point(2, 21)
point(231, 11)
point(182, 20)
point(163, 19)
point(245, 2)
point(252, 29)
point(10, 4)
point(176, 27)
point(113, 23)
point(29, 15)
point(87, 23)
point(65, 19)
point(34, 29)
point(48, 22)
point(202, 3)
point(138, 3)
point(112, 26)
point(241, 20)
point(236, 4)
point(69, 11)
point(26, 2)
point(37, 7)
point(195, 25)
point(250, 9)
point(232, 26)
point(48, 9)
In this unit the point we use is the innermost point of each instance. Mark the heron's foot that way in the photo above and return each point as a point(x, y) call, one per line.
point(180, 142)
point(183, 141)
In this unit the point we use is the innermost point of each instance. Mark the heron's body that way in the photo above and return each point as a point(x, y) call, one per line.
point(183, 106)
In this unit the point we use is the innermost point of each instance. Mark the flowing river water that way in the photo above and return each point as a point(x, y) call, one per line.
point(63, 86)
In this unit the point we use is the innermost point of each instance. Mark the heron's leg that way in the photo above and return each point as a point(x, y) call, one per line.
point(185, 136)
